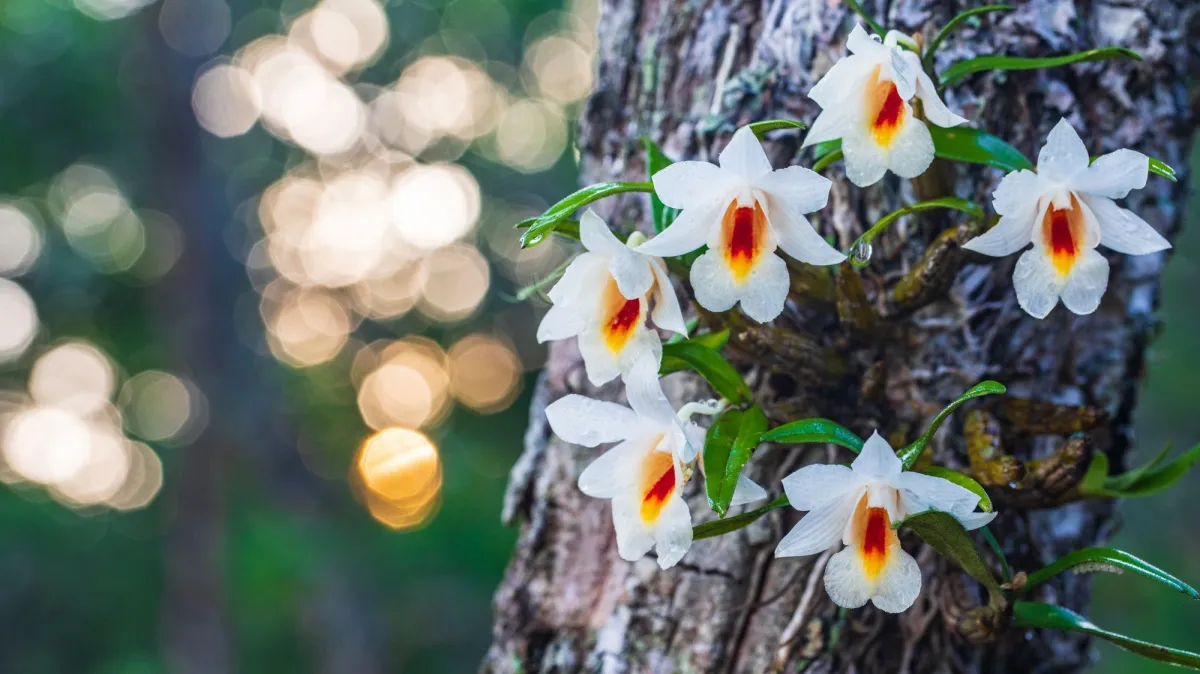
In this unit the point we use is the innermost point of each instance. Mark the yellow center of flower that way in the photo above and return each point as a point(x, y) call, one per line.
point(744, 236)
point(658, 483)
point(885, 108)
point(1062, 234)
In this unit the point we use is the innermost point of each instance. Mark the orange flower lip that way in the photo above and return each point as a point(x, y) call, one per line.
point(885, 108)
point(658, 484)
point(1062, 233)
point(743, 233)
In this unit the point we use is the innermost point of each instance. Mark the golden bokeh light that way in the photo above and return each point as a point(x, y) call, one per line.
point(531, 136)
point(306, 327)
point(75, 376)
point(159, 406)
point(402, 475)
point(439, 96)
point(456, 279)
point(46, 445)
point(18, 320)
point(226, 100)
point(20, 239)
point(96, 219)
point(102, 476)
point(143, 479)
point(344, 34)
point(561, 68)
point(349, 230)
point(434, 205)
point(484, 373)
point(407, 384)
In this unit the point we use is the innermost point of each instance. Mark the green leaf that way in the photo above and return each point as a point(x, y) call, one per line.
point(751, 425)
point(718, 527)
point(655, 162)
point(557, 214)
point(821, 431)
point(723, 377)
point(947, 535)
point(1036, 614)
point(994, 544)
point(1142, 481)
point(867, 17)
point(909, 454)
point(718, 444)
point(1097, 472)
point(761, 129)
point(1158, 479)
point(954, 23)
point(1107, 559)
point(964, 481)
point(955, 203)
point(1161, 168)
point(822, 163)
point(1130, 477)
point(825, 147)
point(976, 147)
point(959, 70)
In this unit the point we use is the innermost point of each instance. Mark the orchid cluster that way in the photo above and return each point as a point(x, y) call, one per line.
point(730, 227)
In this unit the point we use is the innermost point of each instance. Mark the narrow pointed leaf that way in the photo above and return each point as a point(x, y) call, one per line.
point(761, 129)
point(1097, 472)
point(655, 162)
point(961, 69)
point(1107, 559)
point(750, 428)
point(718, 527)
point(965, 481)
point(1130, 477)
point(822, 163)
point(909, 454)
point(954, 23)
point(953, 203)
point(973, 146)
point(947, 535)
point(557, 214)
point(820, 431)
point(1047, 616)
point(723, 377)
point(1161, 168)
point(718, 443)
point(1161, 478)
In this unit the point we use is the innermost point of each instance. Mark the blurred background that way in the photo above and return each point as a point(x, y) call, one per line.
point(263, 370)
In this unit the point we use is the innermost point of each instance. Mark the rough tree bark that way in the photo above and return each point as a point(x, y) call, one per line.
point(687, 73)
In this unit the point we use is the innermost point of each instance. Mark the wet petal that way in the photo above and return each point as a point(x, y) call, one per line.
point(1064, 155)
point(764, 293)
point(688, 184)
point(1113, 175)
point(814, 485)
point(587, 422)
point(687, 232)
point(596, 236)
point(673, 532)
point(1086, 284)
point(1036, 282)
point(877, 459)
point(820, 529)
point(1122, 230)
point(712, 282)
point(666, 313)
point(744, 156)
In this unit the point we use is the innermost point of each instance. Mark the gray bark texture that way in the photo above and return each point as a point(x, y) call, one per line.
point(687, 74)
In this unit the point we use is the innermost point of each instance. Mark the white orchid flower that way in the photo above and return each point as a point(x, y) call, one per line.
point(645, 473)
point(866, 100)
point(1066, 209)
point(604, 298)
point(858, 505)
point(743, 210)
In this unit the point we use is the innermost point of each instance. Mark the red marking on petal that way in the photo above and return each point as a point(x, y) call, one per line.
point(658, 484)
point(873, 537)
point(1062, 233)
point(621, 317)
point(886, 110)
point(744, 231)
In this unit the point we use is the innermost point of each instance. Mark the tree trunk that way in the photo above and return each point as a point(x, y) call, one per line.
point(688, 73)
